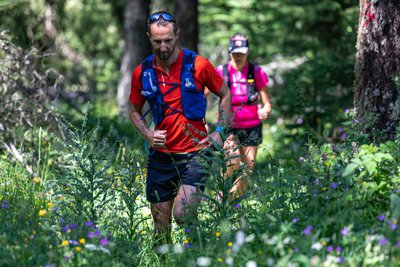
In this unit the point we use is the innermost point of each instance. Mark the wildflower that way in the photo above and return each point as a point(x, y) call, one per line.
point(230, 244)
point(295, 220)
point(88, 224)
point(205, 199)
point(229, 261)
point(393, 224)
point(338, 249)
point(341, 260)
point(82, 241)
point(381, 217)
point(90, 235)
point(308, 230)
point(163, 249)
point(217, 233)
point(315, 260)
point(383, 242)
point(104, 242)
point(187, 230)
point(49, 205)
point(345, 231)
point(240, 238)
point(64, 243)
point(324, 156)
point(323, 243)
point(97, 233)
point(42, 212)
point(203, 261)
point(251, 264)
point(79, 249)
point(73, 242)
point(299, 120)
point(398, 243)
point(142, 232)
point(316, 246)
point(36, 180)
point(219, 259)
point(344, 136)
point(334, 185)
point(237, 206)
point(329, 249)
point(186, 241)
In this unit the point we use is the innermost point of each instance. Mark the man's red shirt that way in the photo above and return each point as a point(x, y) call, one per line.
point(183, 135)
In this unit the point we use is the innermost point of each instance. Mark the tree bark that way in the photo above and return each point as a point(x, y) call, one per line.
point(137, 47)
point(377, 68)
point(186, 15)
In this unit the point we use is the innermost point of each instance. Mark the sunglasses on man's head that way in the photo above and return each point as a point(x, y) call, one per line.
point(156, 17)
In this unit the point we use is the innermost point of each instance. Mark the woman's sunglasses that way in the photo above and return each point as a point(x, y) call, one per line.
point(156, 17)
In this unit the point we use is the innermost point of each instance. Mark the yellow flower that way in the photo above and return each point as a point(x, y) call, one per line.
point(82, 241)
point(137, 198)
point(79, 249)
point(323, 243)
point(42, 212)
point(217, 233)
point(230, 244)
point(143, 232)
point(186, 241)
point(49, 205)
point(219, 260)
point(36, 180)
point(64, 243)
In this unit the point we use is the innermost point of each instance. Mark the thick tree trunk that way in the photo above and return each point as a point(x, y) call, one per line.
point(137, 47)
point(186, 15)
point(377, 68)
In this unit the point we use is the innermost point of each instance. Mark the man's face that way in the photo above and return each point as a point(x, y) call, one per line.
point(163, 40)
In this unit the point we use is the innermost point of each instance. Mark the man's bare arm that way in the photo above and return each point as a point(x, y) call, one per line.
point(155, 138)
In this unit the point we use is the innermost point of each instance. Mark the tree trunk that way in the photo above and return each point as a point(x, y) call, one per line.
point(377, 68)
point(137, 47)
point(186, 15)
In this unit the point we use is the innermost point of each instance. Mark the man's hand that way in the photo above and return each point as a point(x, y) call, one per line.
point(157, 138)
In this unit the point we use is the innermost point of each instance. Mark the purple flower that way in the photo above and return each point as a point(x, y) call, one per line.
point(395, 190)
point(90, 235)
point(295, 220)
point(237, 205)
point(344, 136)
point(73, 242)
point(296, 249)
point(329, 249)
point(346, 110)
point(340, 130)
point(88, 224)
point(341, 260)
point(334, 148)
point(324, 156)
point(97, 233)
point(187, 230)
point(338, 249)
point(104, 242)
point(307, 230)
point(345, 231)
point(65, 228)
point(381, 217)
point(334, 185)
point(299, 120)
point(188, 245)
point(383, 242)
point(398, 243)
point(205, 199)
point(393, 224)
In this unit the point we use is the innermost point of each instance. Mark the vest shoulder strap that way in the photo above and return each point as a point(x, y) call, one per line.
point(250, 72)
point(226, 75)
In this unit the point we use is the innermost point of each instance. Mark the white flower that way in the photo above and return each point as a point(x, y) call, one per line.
point(229, 261)
point(317, 246)
point(251, 264)
point(163, 249)
point(270, 262)
point(240, 237)
point(203, 261)
point(178, 249)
